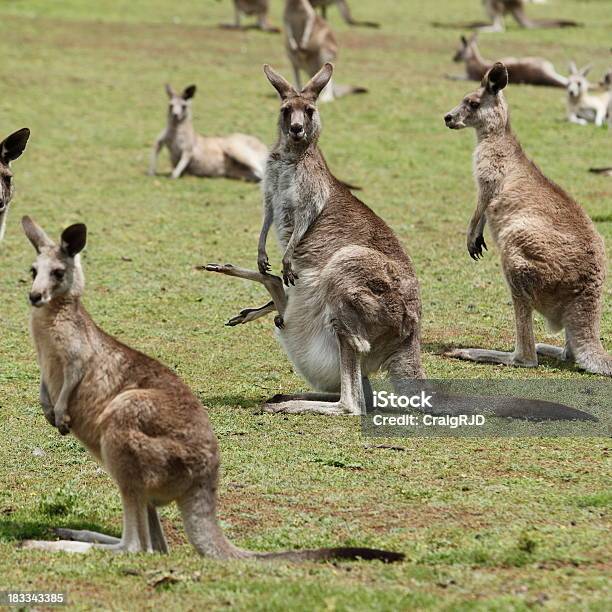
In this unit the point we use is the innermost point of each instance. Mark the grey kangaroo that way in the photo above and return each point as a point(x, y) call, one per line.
point(345, 11)
point(256, 8)
point(552, 257)
point(10, 149)
point(351, 305)
point(139, 419)
point(526, 70)
point(237, 156)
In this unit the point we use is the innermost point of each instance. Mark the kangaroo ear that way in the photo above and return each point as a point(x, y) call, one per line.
point(496, 79)
point(464, 41)
point(315, 86)
point(584, 71)
point(189, 92)
point(169, 91)
point(572, 68)
point(279, 82)
point(35, 234)
point(13, 146)
point(74, 239)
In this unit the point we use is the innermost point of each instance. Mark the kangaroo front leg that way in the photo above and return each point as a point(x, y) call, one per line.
point(475, 239)
point(182, 164)
point(72, 377)
point(263, 263)
point(574, 118)
point(157, 147)
point(308, 30)
point(46, 403)
point(300, 228)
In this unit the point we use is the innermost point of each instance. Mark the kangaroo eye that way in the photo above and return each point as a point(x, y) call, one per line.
point(310, 111)
point(33, 272)
point(474, 104)
point(8, 179)
point(58, 274)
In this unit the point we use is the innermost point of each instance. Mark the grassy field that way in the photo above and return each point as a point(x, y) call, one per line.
point(490, 524)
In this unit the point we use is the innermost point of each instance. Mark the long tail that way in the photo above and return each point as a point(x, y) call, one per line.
point(346, 90)
point(554, 23)
point(604, 171)
point(203, 531)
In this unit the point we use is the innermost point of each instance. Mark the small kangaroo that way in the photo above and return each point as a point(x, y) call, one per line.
point(583, 107)
point(525, 70)
point(237, 156)
point(552, 257)
point(134, 415)
point(498, 9)
point(310, 43)
point(10, 149)
point(345, 11)
point(257, 8)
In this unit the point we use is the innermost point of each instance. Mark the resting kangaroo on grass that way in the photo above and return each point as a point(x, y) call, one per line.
point(10, 149)
point(352, 304)
point(498, 9)
point(134, 415)
point(237, 156)
point(553, 259)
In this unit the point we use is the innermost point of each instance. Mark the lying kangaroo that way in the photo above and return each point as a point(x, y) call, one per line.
point(553, 259)
point(583, 107)
point(138, 419)
point(498, 9)
point(525, 70)
point(257, 8)
point(10, 149)
point(237, 156)
point(345, 11)
point(310, 42)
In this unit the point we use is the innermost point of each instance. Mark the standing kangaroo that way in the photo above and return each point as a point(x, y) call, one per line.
point(257, 8)
point(10, 149)
point(526, 70)
point(498, 9)
point(552, 257)
point(345, 11)
point(134, 415)
point(237, 156)
point(310, 43)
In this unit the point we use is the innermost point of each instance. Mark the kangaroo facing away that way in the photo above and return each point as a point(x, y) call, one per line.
point(345, 11)
point(237, 156)
point(139, 419)
point(10, 149)
point(256, 8)
point(552, 257)
point(351, 305)
point(583, 107)
point(310, 43)
point(525, 70)
point(498, 9)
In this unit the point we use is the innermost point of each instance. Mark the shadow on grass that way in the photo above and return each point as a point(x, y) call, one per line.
point(17, 530)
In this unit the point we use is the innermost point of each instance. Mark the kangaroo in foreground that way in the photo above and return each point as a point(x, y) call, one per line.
point(10, 149)
point(525, 70)
point(257, 8)
point(137, 418)
point(583, 107)
point(351, 305)
point(552, 257)
point(498, 9)
point(345, 11)
point(237, 156)
point(310, 43)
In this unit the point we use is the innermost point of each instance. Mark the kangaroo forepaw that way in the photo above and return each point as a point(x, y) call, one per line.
point(475, 247)
point(62, 422)
point(279, 322)
point(289, 276)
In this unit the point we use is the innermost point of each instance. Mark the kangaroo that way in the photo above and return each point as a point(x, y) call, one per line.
point(498, 9)
point(257, 8)
point(138, 419)
point(552, 257)
point(345, 12)
point(524, 70)
point(583, 107)
point(237, 156)
point(10, 149)
point(310, 43)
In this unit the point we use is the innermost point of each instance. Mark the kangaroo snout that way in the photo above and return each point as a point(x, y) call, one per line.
point(297, 131)
point(35, 298)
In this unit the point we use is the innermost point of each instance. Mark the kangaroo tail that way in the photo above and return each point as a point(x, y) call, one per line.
point(347, 90)
point(554, 23)
point(203, 531)
point(604, 171)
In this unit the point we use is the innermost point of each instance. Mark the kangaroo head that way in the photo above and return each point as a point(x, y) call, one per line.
point(577, 83)
point(299, 123)
point(57, 271)
point(484, 109)
point(466, 48)
point(10, 148)
point(179, 106)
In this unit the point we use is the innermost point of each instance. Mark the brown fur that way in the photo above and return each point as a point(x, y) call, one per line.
point(256, 8)
point(553, 259)
point(10, 149)
point(345, 11)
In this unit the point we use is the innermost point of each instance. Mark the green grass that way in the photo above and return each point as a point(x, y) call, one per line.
point(492, 524)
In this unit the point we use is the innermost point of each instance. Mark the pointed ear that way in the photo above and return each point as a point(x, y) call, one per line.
point(464, 41)
point(584, 71)
point(169, 91)
point(189, 92)
point(35, 234)
point(74, 239)
point(496, 79)
point(13, 146)
point(284, 88)
point(315, 86)
point(572, 68)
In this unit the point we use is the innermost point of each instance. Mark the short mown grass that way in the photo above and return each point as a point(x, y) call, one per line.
point(491, 524)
